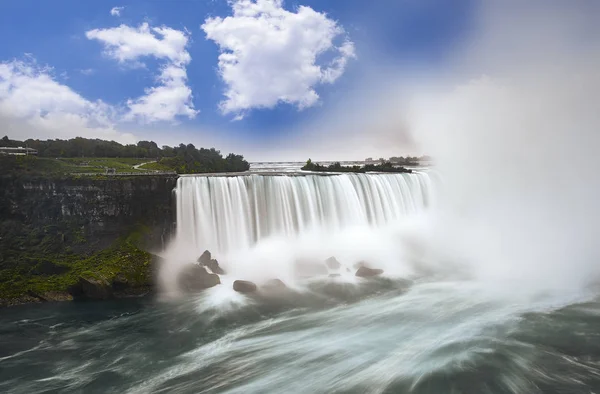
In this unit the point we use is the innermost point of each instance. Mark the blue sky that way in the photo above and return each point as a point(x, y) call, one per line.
point(78, 68)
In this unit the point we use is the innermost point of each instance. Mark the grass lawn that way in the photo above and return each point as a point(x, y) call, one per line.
point(57, 166)
point(156, 167)
point(98, 164)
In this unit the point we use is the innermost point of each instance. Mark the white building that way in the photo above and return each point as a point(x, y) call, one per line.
point(20, 151)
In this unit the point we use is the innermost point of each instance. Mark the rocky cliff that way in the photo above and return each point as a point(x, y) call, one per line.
point(50, 225)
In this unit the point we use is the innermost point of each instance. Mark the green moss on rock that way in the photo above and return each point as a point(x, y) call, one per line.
point(125, 260)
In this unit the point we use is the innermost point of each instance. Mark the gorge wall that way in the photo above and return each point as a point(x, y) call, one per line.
point(82, 214)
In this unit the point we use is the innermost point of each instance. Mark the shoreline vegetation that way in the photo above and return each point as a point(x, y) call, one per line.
point(95, 156)
point(384, 166)
point(60, 275)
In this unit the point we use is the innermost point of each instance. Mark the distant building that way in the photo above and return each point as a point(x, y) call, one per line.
point(20, 151)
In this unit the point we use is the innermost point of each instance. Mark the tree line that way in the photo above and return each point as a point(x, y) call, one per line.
point(182, 158)
point(384, 166)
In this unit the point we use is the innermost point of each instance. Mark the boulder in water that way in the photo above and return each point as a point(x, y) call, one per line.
point(213, 265)
point(332, 263)
point(50, 296)
point(275, 284)
point(205, 258)
point(195, 278)
point(366, 272)
point(244, 286)
point(91, 288)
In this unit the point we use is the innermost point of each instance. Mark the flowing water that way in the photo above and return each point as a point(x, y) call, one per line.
point(415, 329)
point(232, 213)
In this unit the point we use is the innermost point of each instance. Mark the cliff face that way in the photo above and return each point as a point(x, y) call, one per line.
point(81, 215)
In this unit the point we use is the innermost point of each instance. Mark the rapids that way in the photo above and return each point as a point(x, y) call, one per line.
point(434, 337)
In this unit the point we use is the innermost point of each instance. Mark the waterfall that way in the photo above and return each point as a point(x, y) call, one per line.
point(226, 213)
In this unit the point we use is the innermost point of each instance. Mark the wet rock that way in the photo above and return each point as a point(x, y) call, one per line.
point(120, 282)
point(51, 296)
point(213, 265)
point(91, 288)
point(332, 263)
point(366, 272)
point(205, 258)
point(195, 278)
point(244, 286)
point(275, 284)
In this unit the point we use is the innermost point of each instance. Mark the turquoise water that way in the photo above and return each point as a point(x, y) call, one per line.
point(378, 336)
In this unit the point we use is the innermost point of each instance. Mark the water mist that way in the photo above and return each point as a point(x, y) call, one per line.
point(518, 150)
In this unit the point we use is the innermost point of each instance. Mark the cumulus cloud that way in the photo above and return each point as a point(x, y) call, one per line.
point(270, 55)
point(34, 104)
point(164, 102)
point(128, 45)
point(116, 11)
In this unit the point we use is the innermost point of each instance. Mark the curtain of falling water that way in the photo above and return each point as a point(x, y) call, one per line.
point(228, 213)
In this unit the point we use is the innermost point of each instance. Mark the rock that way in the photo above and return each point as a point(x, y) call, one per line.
point(120, 282)
point(91, 288)
point(365, 272)
point(332, 263)
point(275, 284)
point(49, 268)
point(96, 288)
point(50, 296)
point(214, 267)
point(244, 286)
point(360, 264)
point(205, 258)
point(195, 278)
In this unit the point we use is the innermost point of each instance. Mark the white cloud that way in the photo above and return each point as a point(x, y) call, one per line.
point(116, 11)
point(126, 43)
point(87, 71)
point(172, 97)
point(34, 104)
point(270, 55)
point(164, 102)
